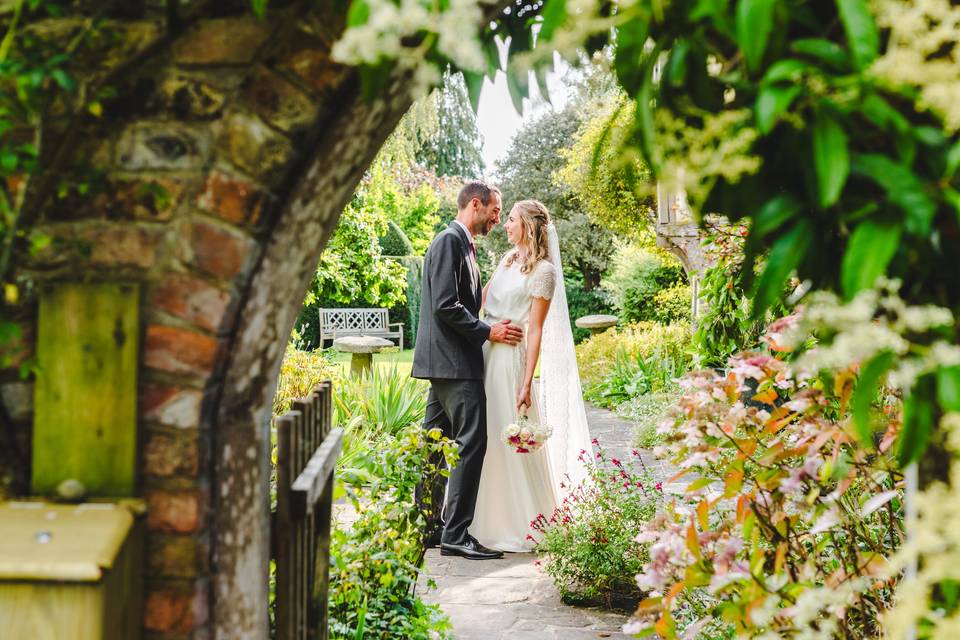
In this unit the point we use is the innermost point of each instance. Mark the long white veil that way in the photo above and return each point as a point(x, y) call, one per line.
point(561, 398)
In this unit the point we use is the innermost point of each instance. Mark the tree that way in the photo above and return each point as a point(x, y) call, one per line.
point(453, 146)
point(529, 171)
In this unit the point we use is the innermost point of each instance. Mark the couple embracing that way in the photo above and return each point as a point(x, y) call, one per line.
point(479, 346)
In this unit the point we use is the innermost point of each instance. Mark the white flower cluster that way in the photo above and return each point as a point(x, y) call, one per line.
point(935, 539)
point(390, 23)
point(922, 53)
point(876, 320)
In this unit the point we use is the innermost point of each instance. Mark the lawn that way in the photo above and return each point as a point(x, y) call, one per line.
point(402, 360)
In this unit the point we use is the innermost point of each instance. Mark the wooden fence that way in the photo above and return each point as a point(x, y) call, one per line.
point(307, 452)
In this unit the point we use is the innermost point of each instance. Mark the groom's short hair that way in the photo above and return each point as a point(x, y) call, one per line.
point(476, 189)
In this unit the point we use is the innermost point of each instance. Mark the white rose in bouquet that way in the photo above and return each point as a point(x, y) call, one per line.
point(512, 430)
point(525, 434)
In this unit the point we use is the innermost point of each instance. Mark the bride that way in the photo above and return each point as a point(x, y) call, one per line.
point(527, 288)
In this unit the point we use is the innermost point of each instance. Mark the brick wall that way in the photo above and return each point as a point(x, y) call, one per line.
point(222, 164)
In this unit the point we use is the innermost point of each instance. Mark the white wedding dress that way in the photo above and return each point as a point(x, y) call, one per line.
point(517, 487)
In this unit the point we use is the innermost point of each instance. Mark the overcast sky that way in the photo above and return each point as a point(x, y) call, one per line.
point(499, 121)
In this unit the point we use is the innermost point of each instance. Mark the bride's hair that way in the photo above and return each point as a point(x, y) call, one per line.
point(532, 246)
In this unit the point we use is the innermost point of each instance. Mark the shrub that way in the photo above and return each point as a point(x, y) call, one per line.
point(632, 376)
point(408, 312)
point(636, 276)
point(584, 303)
point(672, 304)
point(597, 356)
point(789, 520)
point(374, 408)
point(300, 372)
point(375, 561)
point(587, 544)
point(647, 412)
point(395, 243)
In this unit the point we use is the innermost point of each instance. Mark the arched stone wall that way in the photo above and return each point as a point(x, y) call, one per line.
point(221, 165)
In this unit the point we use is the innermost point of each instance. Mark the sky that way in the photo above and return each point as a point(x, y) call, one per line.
point(499, 121)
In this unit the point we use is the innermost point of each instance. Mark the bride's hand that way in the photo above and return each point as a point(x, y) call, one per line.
point(523, 399)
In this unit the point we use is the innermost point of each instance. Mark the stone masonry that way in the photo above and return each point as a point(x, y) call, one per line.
point(221, 160)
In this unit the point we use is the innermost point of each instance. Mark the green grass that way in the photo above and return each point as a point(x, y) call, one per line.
point(402, 360)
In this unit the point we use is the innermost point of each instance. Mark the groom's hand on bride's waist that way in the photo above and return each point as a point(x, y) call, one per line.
point(506, 332)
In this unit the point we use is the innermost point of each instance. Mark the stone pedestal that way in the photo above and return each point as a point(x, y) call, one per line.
point(597, 323)
point(362, 348)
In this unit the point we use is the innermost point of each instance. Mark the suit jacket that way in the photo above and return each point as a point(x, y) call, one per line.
point(450, 336)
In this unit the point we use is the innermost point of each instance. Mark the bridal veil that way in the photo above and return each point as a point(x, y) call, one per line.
point(561, 397)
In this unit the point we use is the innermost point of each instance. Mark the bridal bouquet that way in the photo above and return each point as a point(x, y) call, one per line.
point(525, 436)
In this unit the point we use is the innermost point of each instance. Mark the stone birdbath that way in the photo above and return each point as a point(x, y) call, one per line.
point(597, 323)
point(362, 348)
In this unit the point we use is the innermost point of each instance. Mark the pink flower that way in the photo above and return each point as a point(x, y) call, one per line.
point(658, 487)
point(615, 462)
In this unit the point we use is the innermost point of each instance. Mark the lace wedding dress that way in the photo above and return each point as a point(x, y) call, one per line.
point(516, 487)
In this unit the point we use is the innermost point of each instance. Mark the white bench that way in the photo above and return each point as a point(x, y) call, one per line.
point(337, 323)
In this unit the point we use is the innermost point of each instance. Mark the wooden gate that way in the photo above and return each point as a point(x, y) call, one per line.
point(307, 452)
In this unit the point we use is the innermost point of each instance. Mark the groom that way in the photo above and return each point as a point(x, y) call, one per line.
point(449, 354)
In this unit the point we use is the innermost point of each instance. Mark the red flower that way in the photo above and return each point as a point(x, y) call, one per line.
point(658, 486)
point(595, 442)
point(615, 462)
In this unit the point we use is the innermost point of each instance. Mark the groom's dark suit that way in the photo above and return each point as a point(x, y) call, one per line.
point(449, 353)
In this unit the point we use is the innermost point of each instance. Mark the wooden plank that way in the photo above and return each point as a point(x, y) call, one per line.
point(309, 485)
point(283, 531)
point(85, 420)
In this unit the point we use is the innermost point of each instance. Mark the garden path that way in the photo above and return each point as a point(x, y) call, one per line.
point(511, 598)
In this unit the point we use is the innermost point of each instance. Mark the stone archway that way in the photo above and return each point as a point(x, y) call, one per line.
point(223, 162)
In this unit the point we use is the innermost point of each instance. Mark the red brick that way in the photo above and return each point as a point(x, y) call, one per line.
point(173, 512)
point(191, 299)
point(176, 556)
point(232, 199)
point(122, 245)
point(277, 101)
point(166, 455)
point(168, 611)
point(217, 251)
point(171, 406)
point(179, 350)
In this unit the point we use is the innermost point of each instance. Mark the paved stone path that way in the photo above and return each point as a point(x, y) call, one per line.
point(511, 598)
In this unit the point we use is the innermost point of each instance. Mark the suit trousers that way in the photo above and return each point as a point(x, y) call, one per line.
point(459, 409)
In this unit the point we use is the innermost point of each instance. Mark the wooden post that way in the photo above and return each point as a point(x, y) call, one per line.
point(85, 424)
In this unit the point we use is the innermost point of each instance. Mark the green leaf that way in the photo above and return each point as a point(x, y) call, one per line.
point(870, 249)
point(259, 7)
point(631, 38)
point(754, 25)
point(519, 88)
point(785, 70)
point(474, 82)
point(917, 422)
point(953, 161)
point(903, 189)
point(772, 102)
point(772, 215)
point(554, 13)
point(8, 160)
point(785, 254)
point(862, 37)
point(948, 387)
point(358, 14)
point(829, 53)
point(831, 158)
point(866, 389)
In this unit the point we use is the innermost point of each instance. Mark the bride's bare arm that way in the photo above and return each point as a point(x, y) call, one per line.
point(538, 313)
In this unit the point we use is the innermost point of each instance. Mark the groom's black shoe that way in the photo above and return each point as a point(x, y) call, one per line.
point(470, 549)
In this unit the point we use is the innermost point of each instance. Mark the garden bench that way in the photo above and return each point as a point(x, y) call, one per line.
point(337, 323)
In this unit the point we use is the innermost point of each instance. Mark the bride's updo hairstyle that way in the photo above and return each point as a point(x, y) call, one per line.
point(532, 246)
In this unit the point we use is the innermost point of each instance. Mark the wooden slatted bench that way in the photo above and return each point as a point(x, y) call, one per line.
point(337, 323)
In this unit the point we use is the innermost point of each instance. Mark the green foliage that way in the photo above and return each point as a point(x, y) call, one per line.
point(636, 276)
point(588, 544)
point(663, 349)
point(581, 302)
point(614, 191)
point(395, 242)
point(374, 408)
point(529, 169)
point(672, 304)
point(409, 311)
point(376, 560)
point(453, 147)
point(647, 412)
point(632, 375)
